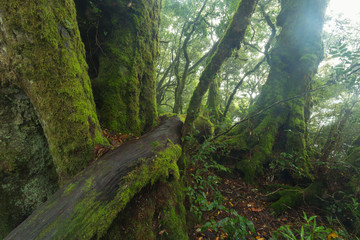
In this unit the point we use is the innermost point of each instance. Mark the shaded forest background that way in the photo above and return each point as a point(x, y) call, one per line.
point(268, 92)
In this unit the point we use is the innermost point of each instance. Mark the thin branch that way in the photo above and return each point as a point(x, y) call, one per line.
point(273, 32)
point(267, 108)
point(239, 84)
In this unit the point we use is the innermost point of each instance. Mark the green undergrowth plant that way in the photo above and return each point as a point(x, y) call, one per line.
point(288, 162)
point(205, 197)
point(347, 214)
point(309, 230)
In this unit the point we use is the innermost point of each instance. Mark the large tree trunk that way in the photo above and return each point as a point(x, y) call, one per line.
point(294, 61)
point(27, 172)
point(122, 46)
point(46, 104)
point(42, 54)
point(86, 207)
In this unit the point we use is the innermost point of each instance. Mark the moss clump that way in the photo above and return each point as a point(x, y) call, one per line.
point(203, 128)
point(157, 212)
point(291, 198)
point(288, 199)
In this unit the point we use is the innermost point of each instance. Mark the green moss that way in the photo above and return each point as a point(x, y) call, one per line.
point(126, 79)
point(157, 212)
point(203, 128)
point(96, 220)
point(288, 200)
point(294, 60)
point(173, 214)
point(49, 64)
point(27, 172)
point(291, 198)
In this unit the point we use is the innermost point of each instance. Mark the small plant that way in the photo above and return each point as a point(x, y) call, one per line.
point(236, 227)
point(289, 162)
point(308, 231)
point(205, 182)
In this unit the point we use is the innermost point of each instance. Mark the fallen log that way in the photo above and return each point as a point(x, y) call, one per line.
point(85, 207)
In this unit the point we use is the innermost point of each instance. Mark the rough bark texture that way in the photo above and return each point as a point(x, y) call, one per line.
point(213, 101)
point(41, 53)
point(86, 207)
point(294, 61)
point(157, 212)
point(232, 39)
point(122, 47)
point(27, 172)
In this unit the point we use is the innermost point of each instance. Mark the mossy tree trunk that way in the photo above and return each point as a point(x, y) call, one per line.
point(213, 101)
point(121, 40)
point(27, 172)
point(231, 40)
point(294, 61)
point(48, 118)
point(42, 54)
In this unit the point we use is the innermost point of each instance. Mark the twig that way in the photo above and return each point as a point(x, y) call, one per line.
point(267, 108)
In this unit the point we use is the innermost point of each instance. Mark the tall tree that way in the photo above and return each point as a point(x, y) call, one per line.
point(231, 40)
point(293, 62)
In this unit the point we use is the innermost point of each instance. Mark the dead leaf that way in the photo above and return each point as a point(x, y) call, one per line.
point(256, 209)
point(332, 235)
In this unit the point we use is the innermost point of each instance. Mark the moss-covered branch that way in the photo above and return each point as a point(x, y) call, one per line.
point(232, 39)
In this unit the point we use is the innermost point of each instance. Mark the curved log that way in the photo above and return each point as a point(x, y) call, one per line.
point(85, 207)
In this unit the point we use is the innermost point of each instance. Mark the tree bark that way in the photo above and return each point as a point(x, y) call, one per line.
point(294, 61)
point(122, 41)
point(27, 172)
point(42, 53)
point(86, 207)
point(213, 101)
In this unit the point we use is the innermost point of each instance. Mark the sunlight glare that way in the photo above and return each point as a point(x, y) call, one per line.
point(349, 8)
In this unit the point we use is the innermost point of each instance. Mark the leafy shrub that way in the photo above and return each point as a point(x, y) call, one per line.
point(308, 231)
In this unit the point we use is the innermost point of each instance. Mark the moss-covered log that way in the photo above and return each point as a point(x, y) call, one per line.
point(86, 207)
point(122, 46)
point(294, 61)
point(157, 212)
point(41, 53)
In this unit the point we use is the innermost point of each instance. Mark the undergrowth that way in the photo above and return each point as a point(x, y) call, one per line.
point(205, 197)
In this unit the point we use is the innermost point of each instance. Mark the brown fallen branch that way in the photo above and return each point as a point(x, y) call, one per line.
point(85, 207)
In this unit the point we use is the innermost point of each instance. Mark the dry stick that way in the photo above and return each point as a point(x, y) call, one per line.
point(268, 107)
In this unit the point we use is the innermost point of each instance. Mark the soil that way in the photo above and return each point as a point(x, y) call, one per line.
point(248, 201)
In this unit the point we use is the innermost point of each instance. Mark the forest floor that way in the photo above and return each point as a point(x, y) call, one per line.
point(247, 200)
